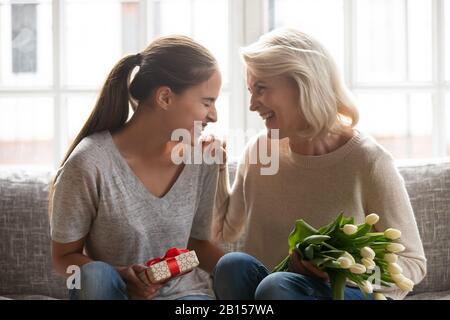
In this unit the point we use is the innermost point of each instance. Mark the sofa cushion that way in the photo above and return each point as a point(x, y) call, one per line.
point(442, 295)
point(428, 187)
point(25, 251)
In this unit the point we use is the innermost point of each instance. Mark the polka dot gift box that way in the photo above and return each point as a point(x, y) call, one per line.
point(175, 262)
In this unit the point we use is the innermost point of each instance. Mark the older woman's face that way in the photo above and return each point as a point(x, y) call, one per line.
point(276, 100)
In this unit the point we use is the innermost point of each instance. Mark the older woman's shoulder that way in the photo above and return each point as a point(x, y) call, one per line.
point(371, 150)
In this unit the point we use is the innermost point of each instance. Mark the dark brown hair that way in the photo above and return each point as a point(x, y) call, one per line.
point(174, 61)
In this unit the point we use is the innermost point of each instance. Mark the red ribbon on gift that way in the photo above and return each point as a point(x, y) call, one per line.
point(169, 257)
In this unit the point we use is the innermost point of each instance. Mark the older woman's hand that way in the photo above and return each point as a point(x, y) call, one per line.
point(304, 267)
point(217, 145)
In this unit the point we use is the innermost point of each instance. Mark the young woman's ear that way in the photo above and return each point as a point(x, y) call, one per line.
point(163, 97)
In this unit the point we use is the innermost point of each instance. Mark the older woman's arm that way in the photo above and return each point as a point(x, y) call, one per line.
point(229, 207)
point(230, 212)
point(388, 197)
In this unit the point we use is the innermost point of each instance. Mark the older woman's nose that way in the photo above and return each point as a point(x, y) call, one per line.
point(253, 103)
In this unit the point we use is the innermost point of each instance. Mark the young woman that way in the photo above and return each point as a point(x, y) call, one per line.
point(325, 167)
point(119, 199)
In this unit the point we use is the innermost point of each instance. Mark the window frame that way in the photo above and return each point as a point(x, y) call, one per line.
point(249, 19)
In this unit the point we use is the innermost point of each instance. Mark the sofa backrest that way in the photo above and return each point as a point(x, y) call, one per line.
point(428, 187)
point(25, 252)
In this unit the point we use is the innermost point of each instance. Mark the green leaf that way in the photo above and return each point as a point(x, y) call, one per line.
point(301, 231)
point(316, 239)
point(282, 266)
point(309, 252)
point(331, 227)
point(346, 220)
point(363, 229)
point(319, 262)
point(333, 265)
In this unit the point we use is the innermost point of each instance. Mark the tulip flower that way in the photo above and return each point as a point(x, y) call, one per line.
point(379, 296)
point(395, 247)
point(403, 282)
point(394, 268)
point(358, 268)
point(344, 262)
point(391, 257)
point(392, 234)
point(367, 252)
point(350, 229)
point(347, 251)
point(372, 219)
point(368, 263)
point(349, 256)
point(366, 286)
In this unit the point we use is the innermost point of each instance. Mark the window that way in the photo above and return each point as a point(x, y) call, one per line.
point(205, 21)
point(60, 72)
point(395, 58)
point(55, 54)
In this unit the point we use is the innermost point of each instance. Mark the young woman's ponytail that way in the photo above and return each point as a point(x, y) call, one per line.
point(112, 106)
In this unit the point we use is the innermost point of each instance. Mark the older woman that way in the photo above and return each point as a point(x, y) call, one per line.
point(325, 166)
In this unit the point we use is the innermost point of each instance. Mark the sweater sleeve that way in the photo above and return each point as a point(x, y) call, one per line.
point(388, 197)
point(230, 214)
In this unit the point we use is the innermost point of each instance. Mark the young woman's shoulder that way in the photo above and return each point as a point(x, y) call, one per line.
point(90, 153)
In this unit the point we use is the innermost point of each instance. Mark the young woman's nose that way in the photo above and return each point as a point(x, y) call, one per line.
point(212, 114)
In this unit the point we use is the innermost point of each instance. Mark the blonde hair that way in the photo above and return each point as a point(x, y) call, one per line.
point(324, 101)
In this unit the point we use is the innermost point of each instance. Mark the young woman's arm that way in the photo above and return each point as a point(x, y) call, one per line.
point(67, 254)
point(74, 206)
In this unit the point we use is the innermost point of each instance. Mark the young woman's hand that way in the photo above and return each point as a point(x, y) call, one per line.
point(210, 139)
point(297, 265)
point(135, 286)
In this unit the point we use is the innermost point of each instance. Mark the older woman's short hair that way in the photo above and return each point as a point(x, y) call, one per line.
point(324, 101)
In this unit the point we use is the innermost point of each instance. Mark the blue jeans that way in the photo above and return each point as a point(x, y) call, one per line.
point(100, 281)
point(240, 276)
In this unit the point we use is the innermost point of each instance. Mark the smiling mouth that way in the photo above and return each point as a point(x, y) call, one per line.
point(267, 115)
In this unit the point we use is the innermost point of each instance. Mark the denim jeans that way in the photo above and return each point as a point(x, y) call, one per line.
point(240, 276)
point(100, 281)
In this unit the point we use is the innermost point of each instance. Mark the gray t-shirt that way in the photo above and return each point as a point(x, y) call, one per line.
point(97, 195)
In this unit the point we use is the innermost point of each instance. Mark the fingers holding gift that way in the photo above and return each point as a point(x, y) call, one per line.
point(136, 286)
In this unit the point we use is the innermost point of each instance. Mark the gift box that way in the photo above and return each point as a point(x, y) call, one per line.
point(175, 262)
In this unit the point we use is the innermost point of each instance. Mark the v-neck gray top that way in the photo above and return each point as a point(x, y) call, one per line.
point(97, 195)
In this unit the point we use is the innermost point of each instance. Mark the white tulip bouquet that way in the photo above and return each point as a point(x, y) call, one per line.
point(350, 252)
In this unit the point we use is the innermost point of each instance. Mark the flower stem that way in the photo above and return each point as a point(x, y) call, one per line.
point(338, 280)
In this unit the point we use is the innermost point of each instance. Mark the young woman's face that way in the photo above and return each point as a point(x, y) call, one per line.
point(276, 100)
point(196, 104)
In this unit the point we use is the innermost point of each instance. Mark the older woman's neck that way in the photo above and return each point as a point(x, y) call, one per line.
point(319, 146)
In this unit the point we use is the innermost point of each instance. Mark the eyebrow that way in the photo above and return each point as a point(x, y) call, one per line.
point(210, 99)
point(256, 83)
